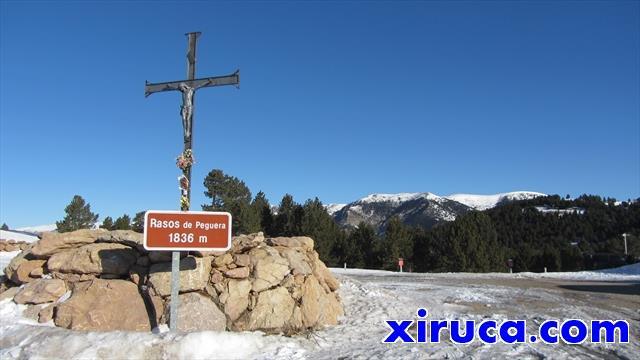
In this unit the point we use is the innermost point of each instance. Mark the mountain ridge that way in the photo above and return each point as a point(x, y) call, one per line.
point(422, 209)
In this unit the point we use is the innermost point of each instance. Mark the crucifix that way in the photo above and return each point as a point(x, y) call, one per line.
point(188, 88)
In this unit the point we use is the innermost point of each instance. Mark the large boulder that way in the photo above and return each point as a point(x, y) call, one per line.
point(237, 299)
point(12, 245)
point(237, 273)
point(46, 313)
point(242, 243)
point(24, 271)
point(107, 305)
point(194, 274)
point(324, 275)
point(125, 237)
point(41, 291)
point(273, 310)
point(98, 258)
point(9, 293)
point(242, 259)
point(269, 268)
point(293, 242)
point(332, 310)
point(297, 259)
point(10, 271)
point(53, 243)
point(198, 312)
point(318, 306)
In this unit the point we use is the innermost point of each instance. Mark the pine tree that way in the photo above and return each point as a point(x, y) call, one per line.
point(122, 223)
point(138, 222)
point(246, 221)
point(313, 220)
point(284, 223)
point(4, 226)
point(228, 193)
point(361, 248)
point(224, 190)
point(424, 250)
point(262, 210)
point(252, 214)
point(397, 243)
point(107, 223)
point(79, 216)
point(470, 244)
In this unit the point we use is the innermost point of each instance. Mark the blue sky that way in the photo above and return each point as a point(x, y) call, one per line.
point(337, 100)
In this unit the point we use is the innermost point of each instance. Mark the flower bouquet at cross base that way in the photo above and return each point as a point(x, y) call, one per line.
point(184, 203)
point(185, 160)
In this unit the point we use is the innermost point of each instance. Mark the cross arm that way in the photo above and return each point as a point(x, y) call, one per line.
point(232, 79)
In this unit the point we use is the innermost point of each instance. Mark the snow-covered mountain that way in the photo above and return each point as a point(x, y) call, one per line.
point(417, 209)
point(18, 236)
point(38, 228)
point(333, 208)
point(484, 202)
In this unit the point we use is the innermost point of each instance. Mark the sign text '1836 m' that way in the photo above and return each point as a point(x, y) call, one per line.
point(187, 230)
point(186, 238)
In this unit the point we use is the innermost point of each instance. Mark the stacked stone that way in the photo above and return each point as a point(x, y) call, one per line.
point(12, 245)
point(106, 280)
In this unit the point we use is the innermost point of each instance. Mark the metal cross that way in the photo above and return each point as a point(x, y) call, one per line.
point(188, 88)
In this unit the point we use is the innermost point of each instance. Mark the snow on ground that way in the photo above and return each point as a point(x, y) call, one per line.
point(44, 342)
point(18, 236)
point(334, 208)
point(623, 273)
point(5, 259)
point(38, 228)
point(478, 202)
point(397, 198)
point(370, 297)
point(484, 202)
point(466, 296)
point(627, 272)
point(633, 269)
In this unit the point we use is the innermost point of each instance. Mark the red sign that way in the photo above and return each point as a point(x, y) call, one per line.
point(400, 262)
point(187, 230)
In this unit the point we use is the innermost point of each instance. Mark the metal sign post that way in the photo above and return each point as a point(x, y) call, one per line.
point(188, 88)
point(185, 231)
point(175, 287)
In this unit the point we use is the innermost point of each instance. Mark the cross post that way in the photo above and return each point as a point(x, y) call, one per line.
point(187, 87)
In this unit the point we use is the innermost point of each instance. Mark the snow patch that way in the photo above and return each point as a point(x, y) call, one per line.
point(484, 202)
point(23, 338)
point(18, 236)
point(624, 273)
point(334, 208)
point(5, 259)
point(397, 198)
point(633, 269)
point(38, 228)
point(370, 297)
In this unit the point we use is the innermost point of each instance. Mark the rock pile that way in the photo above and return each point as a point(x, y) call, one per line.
point(105, 280)
point(12, 245)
